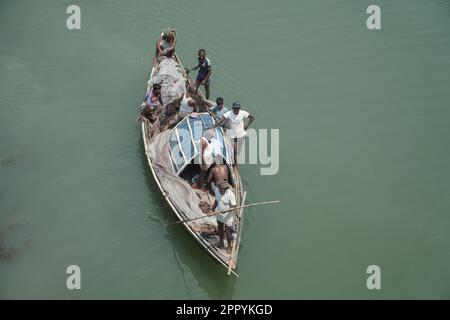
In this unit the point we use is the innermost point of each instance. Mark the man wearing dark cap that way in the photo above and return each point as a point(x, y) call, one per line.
point(237, 127)
point(225, 200)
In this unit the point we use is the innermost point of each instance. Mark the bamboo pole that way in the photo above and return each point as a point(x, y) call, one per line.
point(232, 261)
point(223, 211)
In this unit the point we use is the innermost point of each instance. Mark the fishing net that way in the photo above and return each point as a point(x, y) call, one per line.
point(170, 76)
point(186, 200)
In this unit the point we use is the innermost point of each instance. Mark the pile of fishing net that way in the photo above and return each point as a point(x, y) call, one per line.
point(170, 76)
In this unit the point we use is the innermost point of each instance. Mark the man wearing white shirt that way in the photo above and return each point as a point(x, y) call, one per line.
point(225, 200)
point(237, 126)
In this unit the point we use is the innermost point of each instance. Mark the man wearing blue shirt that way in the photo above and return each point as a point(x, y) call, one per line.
point(217, 110)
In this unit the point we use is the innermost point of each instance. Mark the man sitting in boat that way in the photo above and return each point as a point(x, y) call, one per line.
point(168, 117)
point(150, 113)
point(237, 129)
point(225, 199)
point(165, 46)
point(154, 98)
point(218, 172)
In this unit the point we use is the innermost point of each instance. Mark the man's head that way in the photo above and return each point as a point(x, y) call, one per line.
point(150, 112)
point(223, 186)
point(156, 89)
point(236, 107)
point(218, 159)
point(209, 134)
point(168, 34)
point(149, 107)
point(219, 102)
point(201, 54)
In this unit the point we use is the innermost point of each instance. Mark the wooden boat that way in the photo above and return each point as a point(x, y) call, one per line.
point(183, 169)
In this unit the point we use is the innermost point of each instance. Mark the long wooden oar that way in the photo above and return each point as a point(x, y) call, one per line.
point(223, 211)
point(232, 261)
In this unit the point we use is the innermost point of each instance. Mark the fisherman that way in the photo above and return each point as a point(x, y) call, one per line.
point(154, 98)
point(216, 110)
point(225, 199)
point(237, 131)
point(150, 114)
point(218, 172)
point(204, 72)
point(165, 46)
point(168, 117)
point(205, 157)
point(187, 104)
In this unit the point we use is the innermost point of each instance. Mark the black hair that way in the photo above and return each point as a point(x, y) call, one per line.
point(202, 50)
point(156, 86)
point(219, 100)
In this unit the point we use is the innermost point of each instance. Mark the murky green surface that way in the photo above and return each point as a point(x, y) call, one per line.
point(364, 121)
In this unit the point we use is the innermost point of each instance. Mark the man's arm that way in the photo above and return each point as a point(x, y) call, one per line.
point(210, 176)
point(174, 44)
point(251, 118)
point(193, 104)
point(209, 104)
point(193, 68)
point(220, 123)
point(214, 206)
point(174, 33)
point(158, 47)
point(204, 146)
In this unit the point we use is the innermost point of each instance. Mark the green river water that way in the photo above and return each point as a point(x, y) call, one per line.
point(364, 175)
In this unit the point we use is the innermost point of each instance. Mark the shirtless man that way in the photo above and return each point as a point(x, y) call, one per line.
point(205, 158)
point(166, 44)
point(218, 172)
point(150, 114)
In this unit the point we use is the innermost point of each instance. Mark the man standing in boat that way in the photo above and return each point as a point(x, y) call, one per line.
point(204, 72)
point(225, 200)
point(218, 172)
point(237, 128)
point(216, 110)
point(206, 157)
point(187, 103)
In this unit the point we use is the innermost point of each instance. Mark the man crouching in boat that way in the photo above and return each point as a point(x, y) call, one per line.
point(150, 113)
point(166, 44)
point(151, 108)
point(154, 98)
point(225, 199)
